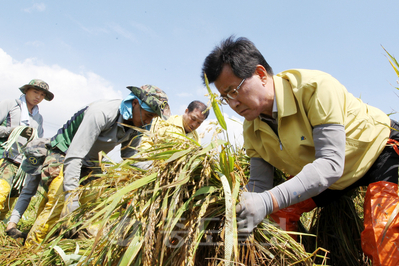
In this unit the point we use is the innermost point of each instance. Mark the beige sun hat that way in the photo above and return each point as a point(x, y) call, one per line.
point(39, 85)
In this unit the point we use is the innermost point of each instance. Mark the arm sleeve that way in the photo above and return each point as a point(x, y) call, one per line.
point(5, 107)
point(89, 130)
point(40, 130)
point(129, 152)
point(317, 176)
point(128, 147)
point(28, 191)
point(260, 175)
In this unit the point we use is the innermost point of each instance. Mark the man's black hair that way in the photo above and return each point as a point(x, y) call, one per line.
point(241, 54)
point(200, 106)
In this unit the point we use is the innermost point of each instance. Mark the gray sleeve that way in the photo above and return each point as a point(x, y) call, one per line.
point(315, 177)
point(260, 175)
point(40, 129)
point(127, 152)
point(145, 165)
point(28, 191)
point(85, 137)
point(5, 107)
point(127, 147)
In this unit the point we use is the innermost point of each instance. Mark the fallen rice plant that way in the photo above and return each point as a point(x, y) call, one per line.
point(179, 212)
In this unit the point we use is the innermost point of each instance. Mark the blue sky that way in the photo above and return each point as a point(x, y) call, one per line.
point(88, 50)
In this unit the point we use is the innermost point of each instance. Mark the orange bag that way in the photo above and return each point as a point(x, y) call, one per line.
point(288, 218)
point(380, 202)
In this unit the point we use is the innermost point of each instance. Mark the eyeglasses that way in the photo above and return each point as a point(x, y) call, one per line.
point(231, 94)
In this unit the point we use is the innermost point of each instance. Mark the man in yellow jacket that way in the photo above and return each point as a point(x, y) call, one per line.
point(305, 123)
point(178, 126)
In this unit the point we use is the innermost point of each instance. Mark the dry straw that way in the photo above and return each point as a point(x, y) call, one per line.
point(179, 212)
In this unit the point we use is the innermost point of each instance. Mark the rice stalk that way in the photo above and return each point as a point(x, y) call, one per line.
point(338, 228)
point(179, 212)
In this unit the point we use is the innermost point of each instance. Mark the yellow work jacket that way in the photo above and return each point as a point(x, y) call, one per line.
point(171, 126)
point(308, 98)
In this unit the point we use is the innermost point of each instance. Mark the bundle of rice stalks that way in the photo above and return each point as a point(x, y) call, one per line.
point(338, 227)
point(179, 212)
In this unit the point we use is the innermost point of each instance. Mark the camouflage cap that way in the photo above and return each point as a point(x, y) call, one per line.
point(35, 154)
point(154, 97)
point(40, 85)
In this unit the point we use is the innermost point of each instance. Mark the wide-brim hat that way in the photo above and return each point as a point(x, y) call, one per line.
point(39, 85)
point(154, 97)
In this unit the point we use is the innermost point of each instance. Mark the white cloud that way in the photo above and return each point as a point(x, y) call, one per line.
point(36, 7)
point(71, 90)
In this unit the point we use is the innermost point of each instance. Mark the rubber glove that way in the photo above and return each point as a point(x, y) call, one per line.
point(27, 132)
point(252, 209)
point(15, 233)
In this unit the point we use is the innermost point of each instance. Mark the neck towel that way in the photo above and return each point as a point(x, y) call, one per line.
point(126, 108)
point(24, 112)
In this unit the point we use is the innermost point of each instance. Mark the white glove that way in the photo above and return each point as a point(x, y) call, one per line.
point(252, 209)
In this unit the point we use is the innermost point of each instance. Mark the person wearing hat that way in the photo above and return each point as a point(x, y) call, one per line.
point(72, 153)
point(23, 111)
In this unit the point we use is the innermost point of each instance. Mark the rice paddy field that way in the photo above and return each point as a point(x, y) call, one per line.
point(182, 212)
